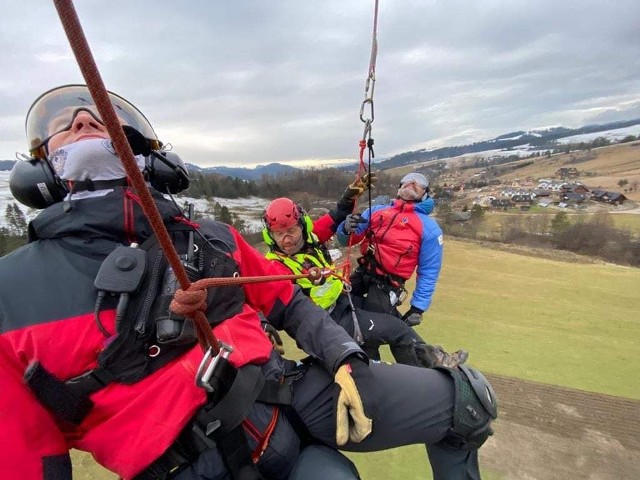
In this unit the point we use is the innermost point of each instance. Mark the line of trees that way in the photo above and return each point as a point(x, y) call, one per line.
point(14, 235)
point(597, 237)
point(208, 185)
point(594, 235)
point(324, 183)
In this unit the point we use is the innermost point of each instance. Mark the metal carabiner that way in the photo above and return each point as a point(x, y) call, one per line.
point(208, 365)
point(367, 132)
point(368, 99)
point(364, 102)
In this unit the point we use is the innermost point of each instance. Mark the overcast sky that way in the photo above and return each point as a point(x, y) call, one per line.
point(250, 82)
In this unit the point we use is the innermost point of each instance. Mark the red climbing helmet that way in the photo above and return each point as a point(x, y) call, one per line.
point(282, 213)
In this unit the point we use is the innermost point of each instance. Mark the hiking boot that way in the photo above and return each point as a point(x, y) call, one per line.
point(430, 356)
point(452, 360)
point(449, 360)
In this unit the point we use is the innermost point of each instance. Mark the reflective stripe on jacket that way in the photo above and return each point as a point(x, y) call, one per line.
point(323, 295)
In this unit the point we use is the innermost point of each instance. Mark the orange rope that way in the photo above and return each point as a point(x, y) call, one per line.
point(194, 298)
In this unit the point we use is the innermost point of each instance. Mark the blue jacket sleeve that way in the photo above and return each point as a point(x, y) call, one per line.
point(429, 263)
point(343, 238)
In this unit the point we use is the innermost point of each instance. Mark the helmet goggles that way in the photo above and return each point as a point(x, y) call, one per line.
point(54, 111)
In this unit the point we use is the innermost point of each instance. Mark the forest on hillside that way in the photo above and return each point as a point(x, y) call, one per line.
point(302, 185)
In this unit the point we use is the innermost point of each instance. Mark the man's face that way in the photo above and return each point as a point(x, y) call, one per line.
point(83, 126)
point(289, 240)
point(411, 191)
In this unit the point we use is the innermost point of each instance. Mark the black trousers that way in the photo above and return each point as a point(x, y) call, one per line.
point(415, 407)
point(379, 329)
point(373, 293)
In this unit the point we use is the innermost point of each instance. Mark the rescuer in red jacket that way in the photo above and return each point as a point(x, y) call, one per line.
point(93, 359)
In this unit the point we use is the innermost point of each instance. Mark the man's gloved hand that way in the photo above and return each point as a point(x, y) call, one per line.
point(274, 336)
point(356, 401)
point(359, 186)
point(413, 316)
point(351, 223)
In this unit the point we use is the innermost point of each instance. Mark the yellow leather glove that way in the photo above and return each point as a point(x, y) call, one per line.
point(355, 409)
point(358, 187)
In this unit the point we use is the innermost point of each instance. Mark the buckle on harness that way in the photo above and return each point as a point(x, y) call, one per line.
point(209, 363)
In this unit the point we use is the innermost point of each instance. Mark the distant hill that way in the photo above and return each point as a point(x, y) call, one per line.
point(271, 169)
point(539, 139)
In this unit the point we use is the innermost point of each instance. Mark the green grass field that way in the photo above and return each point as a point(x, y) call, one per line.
point(569, 324)
point(538, 219)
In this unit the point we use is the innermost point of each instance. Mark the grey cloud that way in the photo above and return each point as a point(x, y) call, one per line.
point(251, 81)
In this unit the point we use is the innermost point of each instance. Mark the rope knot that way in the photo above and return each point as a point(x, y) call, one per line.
point(188, 302)
point(314, 274)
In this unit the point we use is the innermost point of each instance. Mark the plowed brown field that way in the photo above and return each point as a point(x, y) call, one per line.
point(546, 432)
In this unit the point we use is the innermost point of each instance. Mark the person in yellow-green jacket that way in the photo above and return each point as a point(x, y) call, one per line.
point(297, 244)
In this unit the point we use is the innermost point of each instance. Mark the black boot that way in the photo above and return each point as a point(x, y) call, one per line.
point(406, 354)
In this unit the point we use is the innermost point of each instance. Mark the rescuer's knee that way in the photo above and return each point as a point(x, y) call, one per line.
point(475, 408)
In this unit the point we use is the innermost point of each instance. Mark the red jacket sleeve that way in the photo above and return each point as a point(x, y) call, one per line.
point(261, 296)
point(324, 228)
point(287, 308)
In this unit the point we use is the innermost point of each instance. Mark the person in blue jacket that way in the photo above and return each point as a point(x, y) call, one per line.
point(396, 240)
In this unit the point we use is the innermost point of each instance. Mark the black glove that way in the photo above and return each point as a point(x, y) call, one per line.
point(274, 337)
point(357, 403)
point(351, 223)
point(413, 316)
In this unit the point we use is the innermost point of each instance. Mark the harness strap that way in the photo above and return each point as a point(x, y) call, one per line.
point(89, 382)
point(275, 393)
point(371, 267)
point(51, 393)
point(232, 408)
point(94, 185)
point(237, 455)
point(217, 425)
point(357, 332)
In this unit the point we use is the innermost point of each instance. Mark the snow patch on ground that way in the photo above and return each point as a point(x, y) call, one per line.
point(612, 135)
point(248, 209)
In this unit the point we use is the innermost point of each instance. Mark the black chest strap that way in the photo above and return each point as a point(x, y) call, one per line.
point(218, 424)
